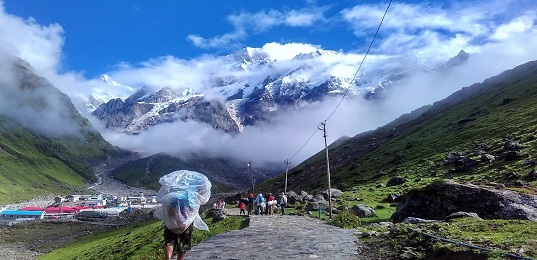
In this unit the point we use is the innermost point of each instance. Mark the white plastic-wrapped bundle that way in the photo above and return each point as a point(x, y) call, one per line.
point(181, 194)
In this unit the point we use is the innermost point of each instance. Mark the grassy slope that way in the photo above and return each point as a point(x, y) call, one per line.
point(32, 165)
point(140, 241)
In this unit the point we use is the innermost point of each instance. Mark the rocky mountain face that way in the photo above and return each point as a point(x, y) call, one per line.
point(144, 109)
point(255, 87)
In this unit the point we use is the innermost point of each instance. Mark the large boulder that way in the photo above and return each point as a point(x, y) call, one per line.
point(440, 199)
point(335, 193)
point(318, 197)
point(292, 197)
point(363, 211)
point(217, 214)
point(312, 206)
point(396, 181)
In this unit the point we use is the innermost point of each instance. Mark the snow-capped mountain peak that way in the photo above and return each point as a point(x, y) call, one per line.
point(253, 86)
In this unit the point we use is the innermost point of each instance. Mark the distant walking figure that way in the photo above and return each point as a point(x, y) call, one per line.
point(283, 202)
point(251, 201)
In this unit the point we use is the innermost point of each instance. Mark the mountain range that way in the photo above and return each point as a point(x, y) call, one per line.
point(252, 87)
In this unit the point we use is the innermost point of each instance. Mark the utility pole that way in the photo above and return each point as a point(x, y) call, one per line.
point(323, 128)
point(251, 175)
point(287, 162)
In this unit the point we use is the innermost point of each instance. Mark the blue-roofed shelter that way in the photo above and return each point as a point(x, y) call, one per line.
point(15, 216)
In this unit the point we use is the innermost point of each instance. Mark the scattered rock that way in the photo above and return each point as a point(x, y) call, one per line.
point(461, 214)
point(512, 155)
point(409, 254)
point(396, 181)
point(511, 146)
point(335, 193)
point(313, 206)
point(317, 197)
point(532, 176)
point(363, 211)
point(519, 183)
point(487, 158)
point(530, 163)
point(510, 175)
point(292, 197)
point(217, 214)
point(413, 220)
point(370, 234)
point(392, 198)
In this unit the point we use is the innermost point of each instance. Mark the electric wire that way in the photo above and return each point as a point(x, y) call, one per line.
point(350, 83)
point(361, 63)
point(316, 129)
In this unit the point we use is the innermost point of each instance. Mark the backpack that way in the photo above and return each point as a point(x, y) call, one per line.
point(260, 200)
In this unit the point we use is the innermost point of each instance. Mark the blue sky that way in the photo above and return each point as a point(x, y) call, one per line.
point(100, 34)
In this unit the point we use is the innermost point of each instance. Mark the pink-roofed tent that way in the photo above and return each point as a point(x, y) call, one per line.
point(67, 209)
point(50, 210)
point(32, 208)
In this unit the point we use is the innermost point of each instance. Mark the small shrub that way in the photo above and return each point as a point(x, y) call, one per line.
point(346, 219)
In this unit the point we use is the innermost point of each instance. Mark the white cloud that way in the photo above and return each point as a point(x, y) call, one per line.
point(288, 51)
point(302, 19)
point(228, 40)
point(37, 44)
point(517, 25)
point(413, 18)
point(255, 23)
point(436, 32)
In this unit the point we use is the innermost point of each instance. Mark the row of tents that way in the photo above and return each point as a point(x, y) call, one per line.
point(55, 210)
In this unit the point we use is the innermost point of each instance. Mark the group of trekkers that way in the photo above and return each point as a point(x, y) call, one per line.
point(263, 205)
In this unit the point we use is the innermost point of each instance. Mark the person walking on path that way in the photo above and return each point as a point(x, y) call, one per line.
point(260, 200)
point(270, 204)
point(283, 202)
point(242, 207)
point(251, 201)
point(181, 194)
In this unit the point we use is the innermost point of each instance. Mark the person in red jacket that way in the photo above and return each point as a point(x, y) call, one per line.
point(270, 204)
point(242, 207)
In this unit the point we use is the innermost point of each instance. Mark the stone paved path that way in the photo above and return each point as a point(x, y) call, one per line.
point(280, 237)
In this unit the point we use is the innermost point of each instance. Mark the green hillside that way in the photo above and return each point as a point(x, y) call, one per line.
point(480, 119)
point(33, 165)
point(146, 172)
point(34, 161)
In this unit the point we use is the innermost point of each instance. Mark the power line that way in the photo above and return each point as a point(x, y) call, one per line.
point(350, 83)
point(361, 63)
point(316, 129)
